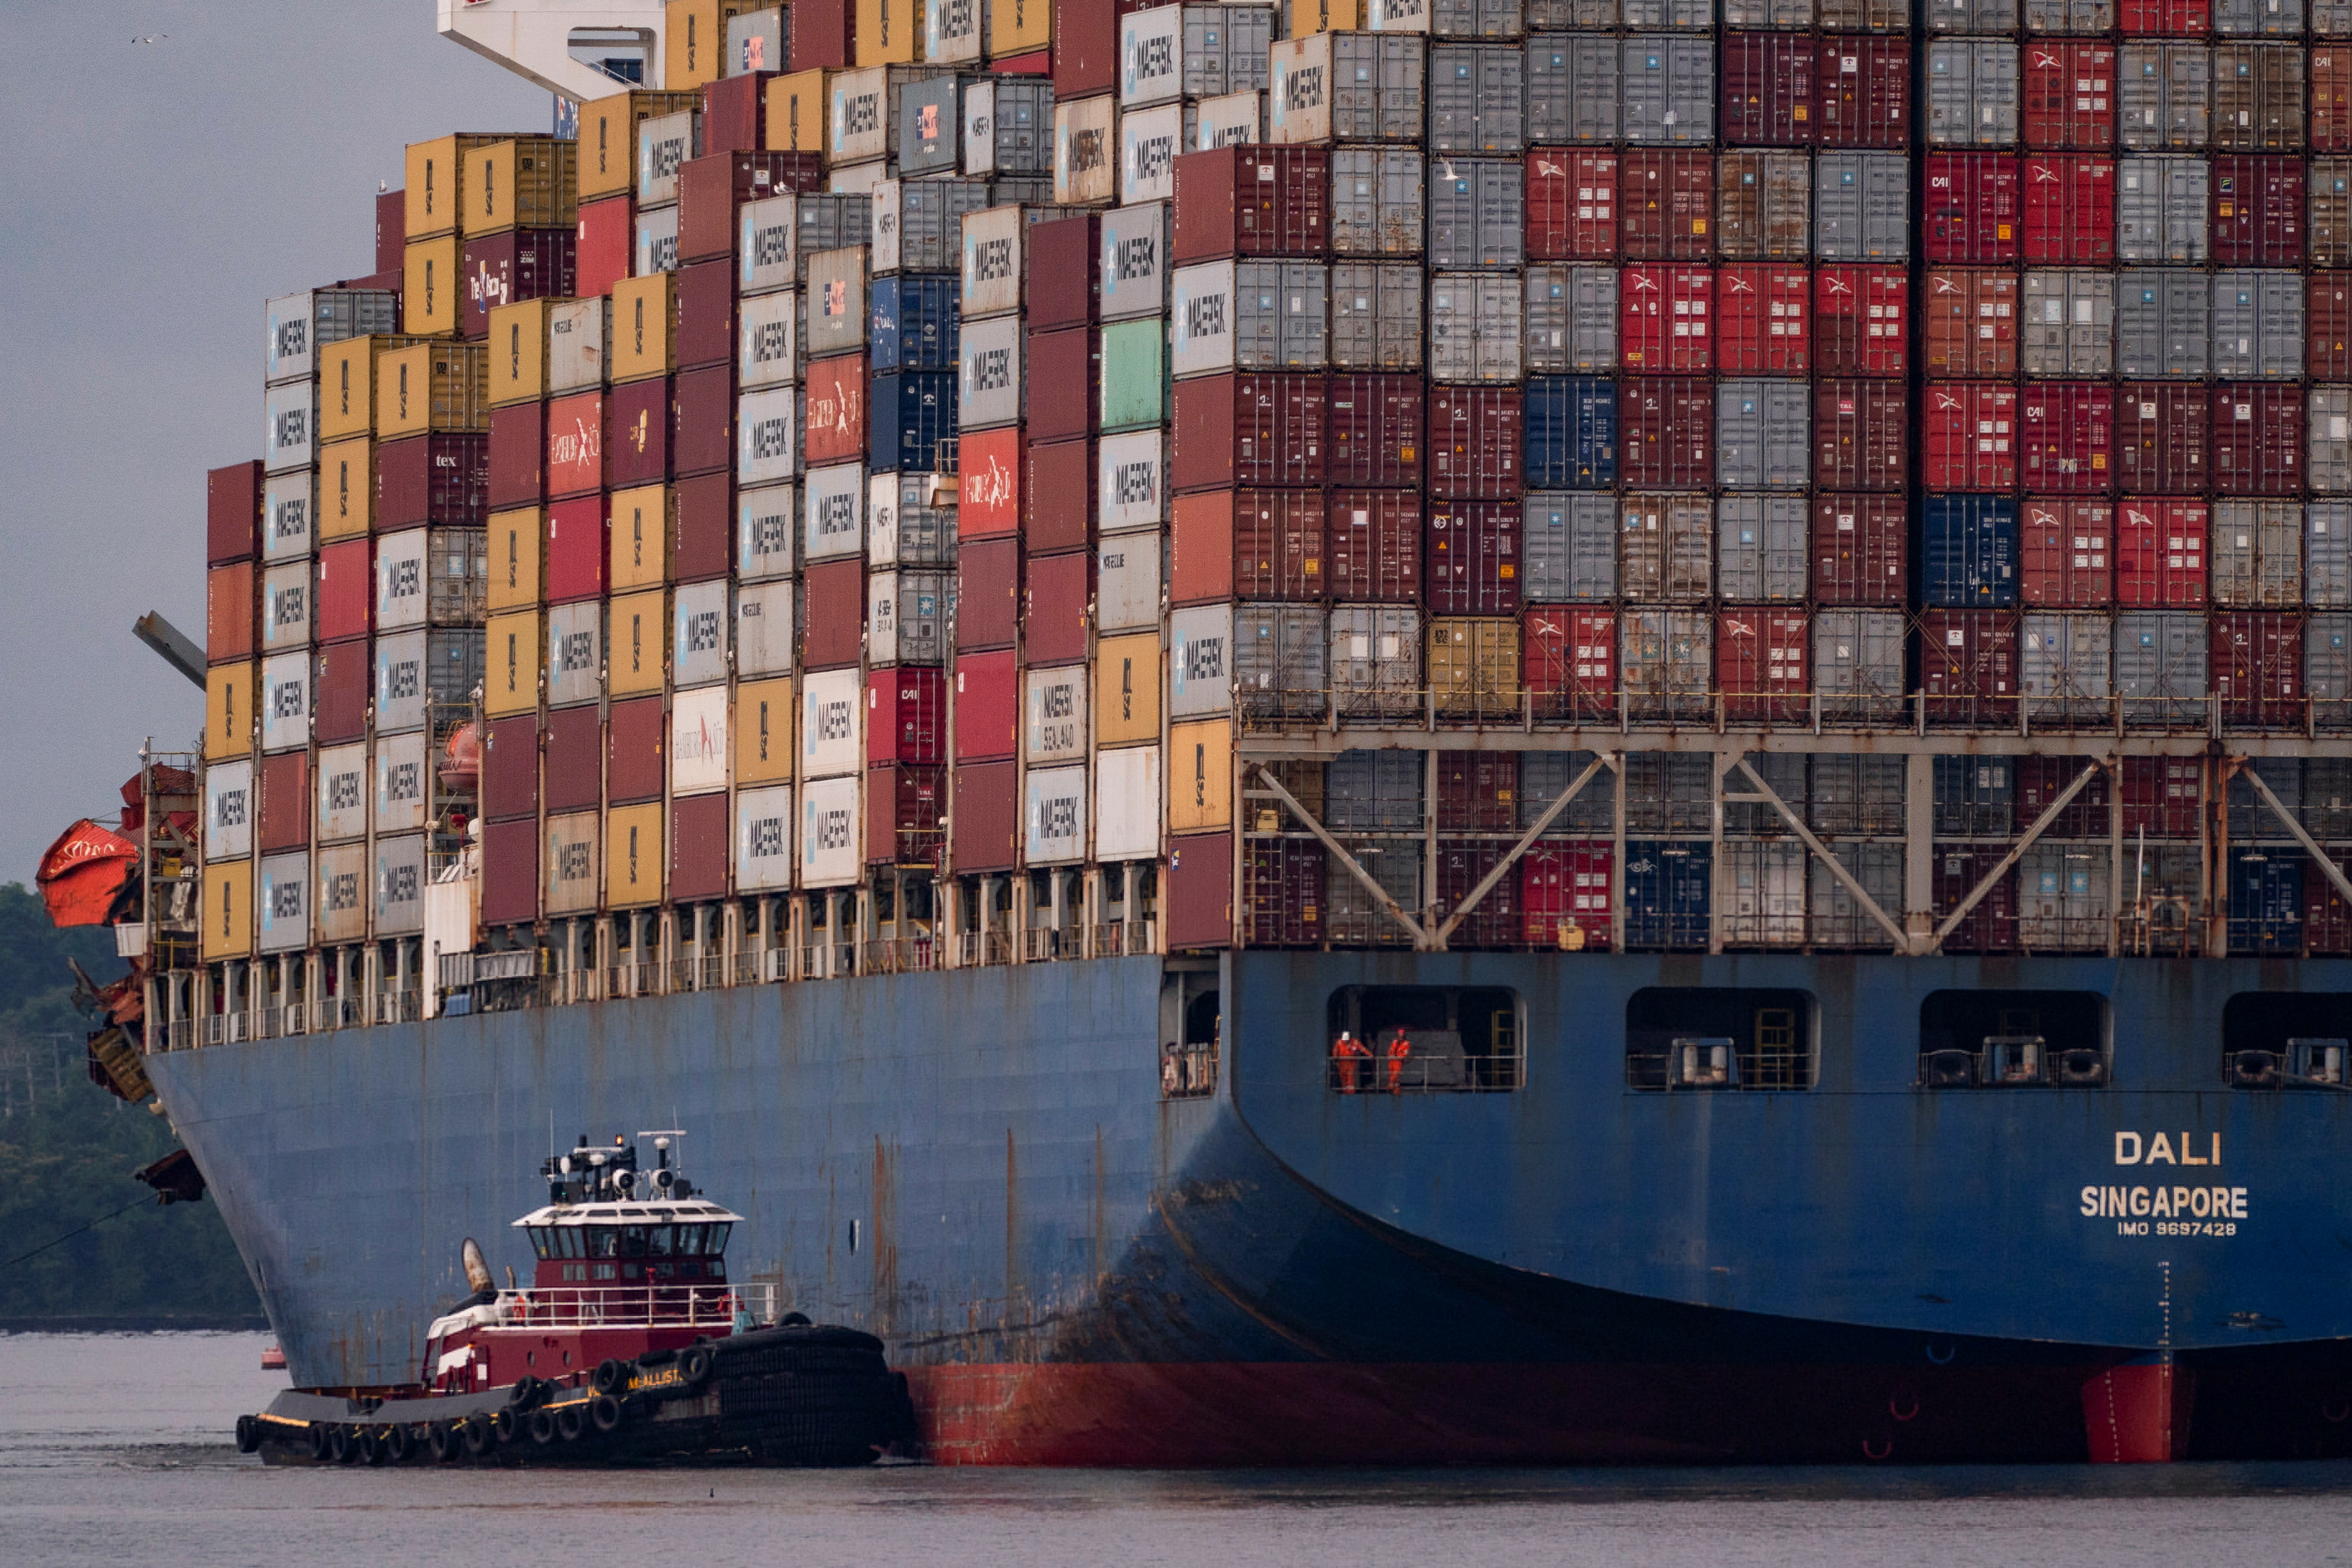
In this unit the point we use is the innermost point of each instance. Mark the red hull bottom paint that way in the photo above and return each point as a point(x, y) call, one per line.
point(2138, 1413)
point(1192, 1414)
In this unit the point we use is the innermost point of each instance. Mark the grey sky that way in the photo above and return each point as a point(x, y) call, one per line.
point(156, 195)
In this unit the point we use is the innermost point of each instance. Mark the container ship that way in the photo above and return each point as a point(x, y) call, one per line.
point(1516, 731)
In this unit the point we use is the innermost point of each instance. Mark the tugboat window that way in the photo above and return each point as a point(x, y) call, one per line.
point(689, 1240)
point(604, 1241)
point(1458, 1040)
point(657, 1241)
point(1718, 1037)
point(632, 1241)
point(2287, 1040)
point(539, 1242)
point(2012, 1040)
point(718, 1238)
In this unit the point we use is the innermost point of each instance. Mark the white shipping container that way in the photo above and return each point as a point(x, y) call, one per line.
point(289, 511)
point(300, 324)
point(1130, 485)
point(832, 706)
point(699, 621)
point(568, 883)
point(1201, 337)
point(763, 839)
point(768, 341)
point(400, 579)
point(767, 523)
point(836, 301)
point(989, 373)
point(859, 125)
point(1151, 57)
point(340, 901)
point(578, 341)
point(904, 623)
point(1055, 816)
point(399, 806)
point(766, 253)
point(1135, 262)
point(575, 653)
point(856, 179)
point(343, 790)
point(228, 810)
point(834, 520)
point(286, 701)
point(763, 629)
point(399, 885)
point(698, 741)
point(952, 30)
point(1397, 16)
point(1148, 141)
point(902, 526)
point(1127, 804)
point(664, 143)
point(1085, 173)
point(1227, 121)
point(1200, 663)
point(829, 838)
point(994, 247)
point(655, 248)
point(283, 900)
point(290, 426)
point(767, 436)
point(285, 607)
point(1053, 710)
point(1126, 580)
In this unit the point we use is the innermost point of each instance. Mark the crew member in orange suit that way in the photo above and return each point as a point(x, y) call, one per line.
point(1347, 1053)
point(1400, 1049)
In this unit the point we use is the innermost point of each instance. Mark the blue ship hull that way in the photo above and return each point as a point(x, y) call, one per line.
point(979, 1166)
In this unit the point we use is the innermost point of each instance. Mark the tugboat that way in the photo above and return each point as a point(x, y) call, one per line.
point(631, 1343)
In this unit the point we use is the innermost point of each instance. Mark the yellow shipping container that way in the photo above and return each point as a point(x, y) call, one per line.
point(518, 351)
point(530, 182)
point(434, 386)
point(888, 32)
point(435, 173)
point(1200, 775)
point(347, 384)
point(608, 138)
point(1019, 28)
point(232, 692)
point(518, 560)
point(1324, 16)
point(796, 112)
point(764, 731)
point(694, 40)
point(432, 287)
point(346, 489)
point(1474, 665)
point(227, 915)
point(633, 856)
point(645, 328)
point(511, 663)
point(1127, 689)
point(640, 537)
point(637, 643)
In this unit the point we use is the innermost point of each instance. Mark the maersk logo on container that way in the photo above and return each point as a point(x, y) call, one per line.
point(992, 260)
point(402, 578)
point(343, 791)
point(768, 244)
point(764, 535)
point(1297, 91)
point(574, 861)
point(291, 518)
point(1082, 153)
point(763, 837)
point(291, 338)
point(702, 632)
point(836, 518)
point(855, 115)
point(404, 781)
point(342, 889)
point(287, 700)
point(659, 158)
point(1150, 159)
point(1135, 256)
point(1394, 15)
point(769, 341)
point(576, 652)
point(291, 429)
point(1203, 317)
point(402, 681)
point(291, 608)
point(229, 809)
point(769, 439)
point(991, 369)
point(1148, 58)
point(833, 721)
point(398, 884)
point(829, 829)
point(1199, 658)
point(1056, 817)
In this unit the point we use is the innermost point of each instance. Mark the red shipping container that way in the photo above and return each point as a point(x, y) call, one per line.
point(698, 845)
point(1666, 432)
point(1472, 563)
point(637, 743)
point(1200, 891)
point(638, 416)
point(1967, 667)
point(519, 265)
point(1283, 882)
point(1564, 894)
point(906, 715)
point(575, 445)
point(391, 230)
point(1665, 318)
point(1861, 320)
point(1969, 435)
point(2069, 211)
point(1040, 64)
point(2327, 324)
point(987, 706)
point(343, 592)
point(1477, 792)
point(511, 872)
point(2162, 796)
point(2160, 552)
point(1859, 549)
point(1065, 282)
point(1762, 664)
point(1972, 213)
point(1252, 428)
point(1493, 921)
point(1859, 430)
point(702, 438)
point(1085, 47)
point(232, 513)
point(702, 525)
point(510, 767)
point(1990, 923)
point(822, 33)
point(833, 419)
point(2330, 124)
point(1246, 544)
point(1767, 81)
point(1864, 84)
point(1249, 199)
point(1373, 543)
point(988, 593)
point(2164, 18)
point(1569, 659)
point(833, 615)
point(2042, 779)
point(232, 610)
point(1475, 442)
point(906, 815)
point(1970, 322)
point(712, 187)
point(2257, 435)
point(574, 770)
point(706, 313)
point(2070, 93)
point(1665, 203)
point(1058, 495)
point(2255, 663)
point(1763, 321)
point(2067, 434)
point(1376, 425)
point(987, 817)
point(443, 481)
point(342, 680)
point(605, 251)
point(2257, 211)
point(1064, 376)
point(989, 492)
point(2163, 430)
point(2326, 919)
point(576, 538)
point(1056, 595)
point(734, 112)
point(517, 451)
point(1571, 204)
point(2067, 551)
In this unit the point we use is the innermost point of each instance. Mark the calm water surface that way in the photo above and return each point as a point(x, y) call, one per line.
point(115, 1449)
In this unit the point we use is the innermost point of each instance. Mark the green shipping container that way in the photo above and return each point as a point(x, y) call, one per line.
point(1134, 373)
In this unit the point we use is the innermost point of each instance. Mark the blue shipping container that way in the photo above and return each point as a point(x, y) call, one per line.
point(1974, 797)
point(1571, 426)
point(914, 323)
point(1666, 892)
point(911, 413)
point(2266, 901)
point(1969, 547)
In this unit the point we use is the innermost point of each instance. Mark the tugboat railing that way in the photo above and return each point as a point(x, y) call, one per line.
point(637, 1306)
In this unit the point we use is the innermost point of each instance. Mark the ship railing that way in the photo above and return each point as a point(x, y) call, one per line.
point(237, 1027)
point(897, 955)
point(775, 965)
point(570, 986)
point(215, 1031)
point(1109, 941)
point(1188, 1073)
point(335, 1012)
point(750, 968)
point(637, 1306)
point(975, 948)
point(180, 1034)
point(399, 1007)
point(1041, 944)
